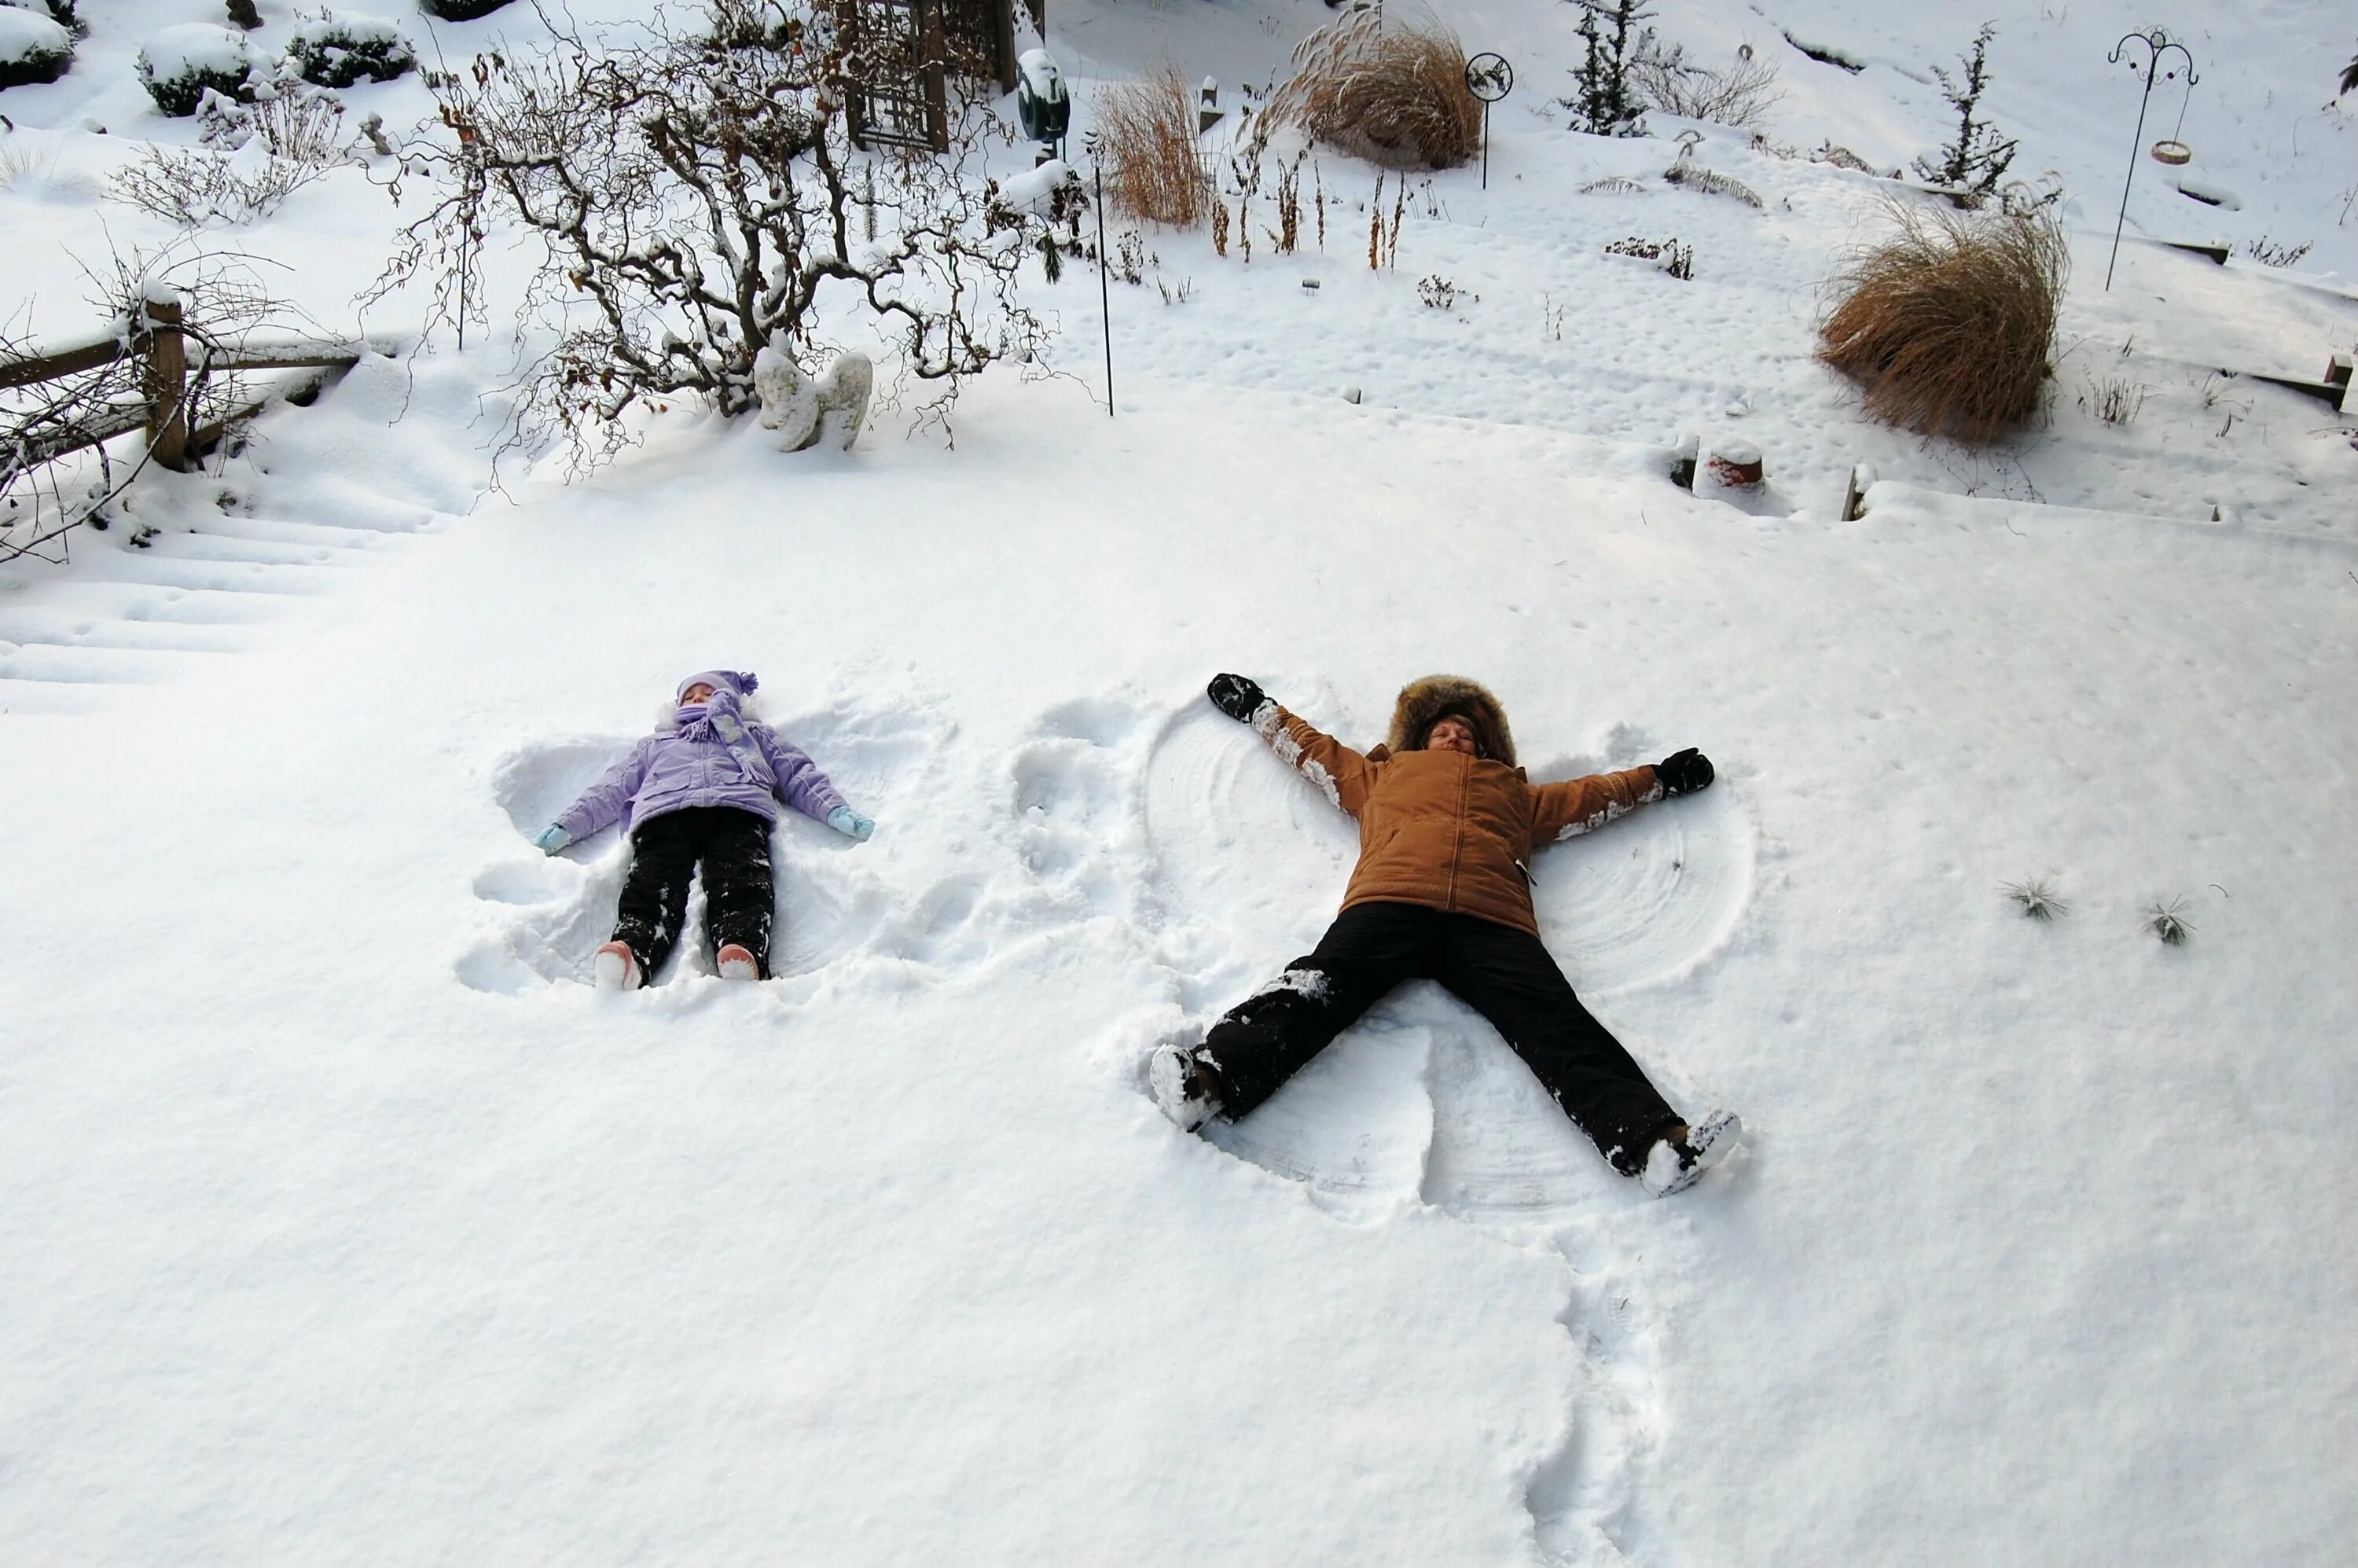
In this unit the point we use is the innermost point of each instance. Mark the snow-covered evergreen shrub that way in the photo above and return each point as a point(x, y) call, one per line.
point(61, 12)
point(460, 10)
point(33, 48)
point(337, 51)
point(1605, 102)
point(179, 65)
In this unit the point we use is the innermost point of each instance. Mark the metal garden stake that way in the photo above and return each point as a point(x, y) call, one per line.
point(1105, 293)
point(1489, 78)
point(2156, 42)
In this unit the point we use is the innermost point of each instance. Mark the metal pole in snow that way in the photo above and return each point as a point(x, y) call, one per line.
point(2156, 41)
point(1105, 295)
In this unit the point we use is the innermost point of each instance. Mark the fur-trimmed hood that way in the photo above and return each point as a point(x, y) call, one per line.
point(1426, 701)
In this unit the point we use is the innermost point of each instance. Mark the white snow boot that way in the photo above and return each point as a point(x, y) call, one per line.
point(1182, 1089)
point(1674, 1164)
point(615, 967)
point(735, 963)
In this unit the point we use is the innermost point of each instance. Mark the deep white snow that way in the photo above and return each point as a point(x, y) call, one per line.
point(341, 1219)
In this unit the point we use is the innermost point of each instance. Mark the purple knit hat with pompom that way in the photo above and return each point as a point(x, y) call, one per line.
point(744, 683)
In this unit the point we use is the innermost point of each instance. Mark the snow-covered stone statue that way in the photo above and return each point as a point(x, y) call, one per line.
point(806, 412)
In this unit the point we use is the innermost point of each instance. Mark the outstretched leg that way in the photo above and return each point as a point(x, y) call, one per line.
point(654, 892)
point(739, 897)
point(1272, 1034)
point(1510, 978)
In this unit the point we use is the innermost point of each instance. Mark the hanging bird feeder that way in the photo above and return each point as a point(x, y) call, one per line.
point(2171, 150)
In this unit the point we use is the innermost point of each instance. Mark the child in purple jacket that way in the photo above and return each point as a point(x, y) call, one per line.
point(703, 791)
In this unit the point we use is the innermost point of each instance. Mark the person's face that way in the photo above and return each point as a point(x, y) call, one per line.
point(1451, 734)
point(700, 692)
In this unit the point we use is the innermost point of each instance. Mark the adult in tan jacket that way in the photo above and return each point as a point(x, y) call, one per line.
point(1447, 828)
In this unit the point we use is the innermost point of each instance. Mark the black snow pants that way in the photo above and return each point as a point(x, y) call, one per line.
point(733, 847)
point(1508, 975)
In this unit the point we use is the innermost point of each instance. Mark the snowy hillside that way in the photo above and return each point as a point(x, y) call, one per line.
point(342, 1219)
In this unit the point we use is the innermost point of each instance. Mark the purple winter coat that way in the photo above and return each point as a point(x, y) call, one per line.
point(669, 771)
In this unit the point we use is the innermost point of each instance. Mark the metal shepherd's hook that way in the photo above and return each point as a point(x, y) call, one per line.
point(2155, 43)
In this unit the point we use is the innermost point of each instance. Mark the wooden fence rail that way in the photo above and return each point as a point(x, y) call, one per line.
point(159, 342)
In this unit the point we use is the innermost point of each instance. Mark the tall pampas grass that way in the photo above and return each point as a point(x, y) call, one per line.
point(1395, 96)
point(1147, 133)
point(1948, 321)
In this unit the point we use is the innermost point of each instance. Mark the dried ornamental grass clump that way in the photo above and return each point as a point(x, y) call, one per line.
point(1948, 324)
point(1147, 130)
point(1395, 96)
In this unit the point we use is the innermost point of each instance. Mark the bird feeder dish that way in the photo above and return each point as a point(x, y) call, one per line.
point(2173, 153)
point(1042, 103)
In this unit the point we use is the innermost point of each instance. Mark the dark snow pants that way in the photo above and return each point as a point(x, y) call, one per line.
point(733, 847)
point(1508, 975)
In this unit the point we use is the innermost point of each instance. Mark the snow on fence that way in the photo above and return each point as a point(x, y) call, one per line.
point(159, 339)
point(156, 344)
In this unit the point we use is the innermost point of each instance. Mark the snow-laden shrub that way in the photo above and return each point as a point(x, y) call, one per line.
point(179, 65)
point(337, 51)
point(252, 158)
point(460, 10)
point(32, 47)
point(1948, 323)
point(61, 12)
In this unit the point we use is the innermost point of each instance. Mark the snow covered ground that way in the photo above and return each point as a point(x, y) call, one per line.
point(339, 1216)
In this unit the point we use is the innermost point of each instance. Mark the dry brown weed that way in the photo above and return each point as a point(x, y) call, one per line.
point(1147, 131)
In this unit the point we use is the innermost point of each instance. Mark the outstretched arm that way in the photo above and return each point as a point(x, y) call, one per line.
point(801, 784)
point(1568, 810)
point(603, 804)
point(1326, 762)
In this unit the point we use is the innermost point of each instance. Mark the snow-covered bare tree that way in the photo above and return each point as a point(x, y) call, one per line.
point(697, 198)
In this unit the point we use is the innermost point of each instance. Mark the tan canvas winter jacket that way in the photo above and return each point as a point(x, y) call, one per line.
point(1442, 830)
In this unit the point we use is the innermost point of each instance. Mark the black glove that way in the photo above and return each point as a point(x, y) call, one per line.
point(1236, 696)
point(1683, 772)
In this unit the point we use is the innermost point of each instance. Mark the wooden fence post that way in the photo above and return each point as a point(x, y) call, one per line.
point(164, 383)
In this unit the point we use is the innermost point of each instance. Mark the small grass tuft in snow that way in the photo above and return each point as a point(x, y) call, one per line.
point(1439, 294)
point(2114, 399)
point(2269, 254)
point(1694, 177)
point(1678, 260)
point(2165, 922)
point(2037, 897)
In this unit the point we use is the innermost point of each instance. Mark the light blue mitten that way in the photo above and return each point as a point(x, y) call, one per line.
point(552, 838)
point(850, 823)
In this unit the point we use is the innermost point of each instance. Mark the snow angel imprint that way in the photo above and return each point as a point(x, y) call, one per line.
point(701, 792)
point(1447, 827)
